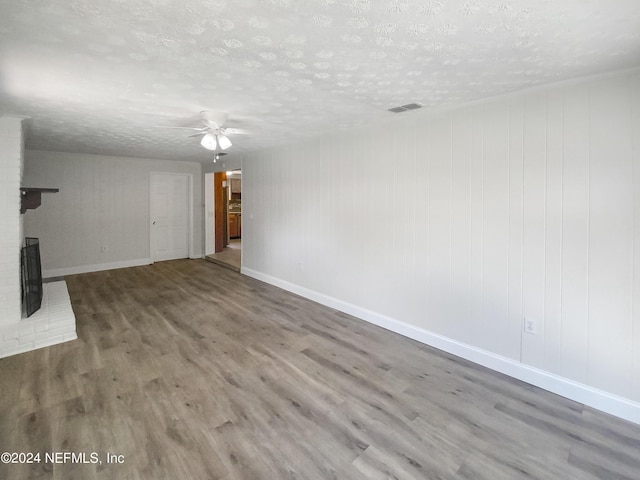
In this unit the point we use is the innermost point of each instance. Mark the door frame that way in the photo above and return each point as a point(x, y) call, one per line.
point(189, 177)
point(209, 215)
point(220, 217)
point(211, 229)
point(215, 219)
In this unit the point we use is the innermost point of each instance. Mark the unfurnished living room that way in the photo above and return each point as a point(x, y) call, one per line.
point(435, 206)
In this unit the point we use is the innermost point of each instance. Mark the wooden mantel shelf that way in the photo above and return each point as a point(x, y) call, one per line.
point(31, 197)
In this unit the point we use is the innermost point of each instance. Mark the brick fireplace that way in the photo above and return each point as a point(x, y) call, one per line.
point(54, 322)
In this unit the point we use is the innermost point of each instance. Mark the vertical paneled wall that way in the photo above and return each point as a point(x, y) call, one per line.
point(465, 222)
point(103, 201)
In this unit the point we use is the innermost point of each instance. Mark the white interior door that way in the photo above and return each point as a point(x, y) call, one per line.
point(170, 225)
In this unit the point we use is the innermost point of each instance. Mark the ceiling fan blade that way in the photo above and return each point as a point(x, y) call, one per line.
point(183, 128)
point(213, 119)
point(236, 131)
point(197, 135)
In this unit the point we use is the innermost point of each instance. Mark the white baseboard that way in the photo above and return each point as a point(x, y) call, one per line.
point(96, 267)
point(579, 392)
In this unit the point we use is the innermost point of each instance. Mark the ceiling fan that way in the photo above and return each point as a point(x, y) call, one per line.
point(214, 134)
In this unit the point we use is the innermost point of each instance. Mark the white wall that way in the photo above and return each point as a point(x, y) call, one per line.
point(230, 162)
point(102, 201)
point(452, 227)
point(11, 238)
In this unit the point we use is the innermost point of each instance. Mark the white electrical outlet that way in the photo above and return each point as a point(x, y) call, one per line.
point(530, 325)
point(300, 265)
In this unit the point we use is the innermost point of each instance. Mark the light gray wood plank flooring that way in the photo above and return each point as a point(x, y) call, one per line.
point(190, 370)
point(230, 257)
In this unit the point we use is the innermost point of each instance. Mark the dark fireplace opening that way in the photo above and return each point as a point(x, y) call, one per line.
point(31, 276)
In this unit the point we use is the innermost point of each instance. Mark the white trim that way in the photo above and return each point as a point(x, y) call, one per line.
point(579, 392)
point(96, 267)
point(209, 207)
point(190, 181)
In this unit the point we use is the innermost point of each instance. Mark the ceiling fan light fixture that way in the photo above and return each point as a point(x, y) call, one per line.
point(209, 142)
point(224, 141)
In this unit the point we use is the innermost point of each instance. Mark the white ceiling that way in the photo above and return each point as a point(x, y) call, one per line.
point(96, 76)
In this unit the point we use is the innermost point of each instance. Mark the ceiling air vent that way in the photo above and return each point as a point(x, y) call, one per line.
point(404, 108)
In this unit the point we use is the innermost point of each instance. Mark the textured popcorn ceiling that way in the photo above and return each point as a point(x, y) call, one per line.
point(96, 76)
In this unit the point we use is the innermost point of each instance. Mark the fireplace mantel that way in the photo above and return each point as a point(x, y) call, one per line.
point(31, 197)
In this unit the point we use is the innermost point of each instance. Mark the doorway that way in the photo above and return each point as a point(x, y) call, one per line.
point(227, 218)
point(170, 215)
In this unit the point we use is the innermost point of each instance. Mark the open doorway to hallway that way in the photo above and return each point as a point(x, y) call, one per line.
point(227, 219)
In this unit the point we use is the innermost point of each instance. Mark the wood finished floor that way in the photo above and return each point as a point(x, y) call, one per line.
point(230, 257)
point(192, 371)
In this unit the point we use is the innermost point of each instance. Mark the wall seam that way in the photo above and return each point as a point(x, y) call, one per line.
point(562, 149)
point(428, 210)
point(508, 215)
point(545, 229)
point(482, 215)
point(450, 209)
point(415, 201)
point(522, 234)
point(586, 363)
point(470, 191)
point(633, 237)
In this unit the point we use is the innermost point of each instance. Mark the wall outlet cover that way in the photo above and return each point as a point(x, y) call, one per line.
point(530, 325)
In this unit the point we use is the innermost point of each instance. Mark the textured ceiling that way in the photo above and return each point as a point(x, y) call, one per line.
point(97, 76)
